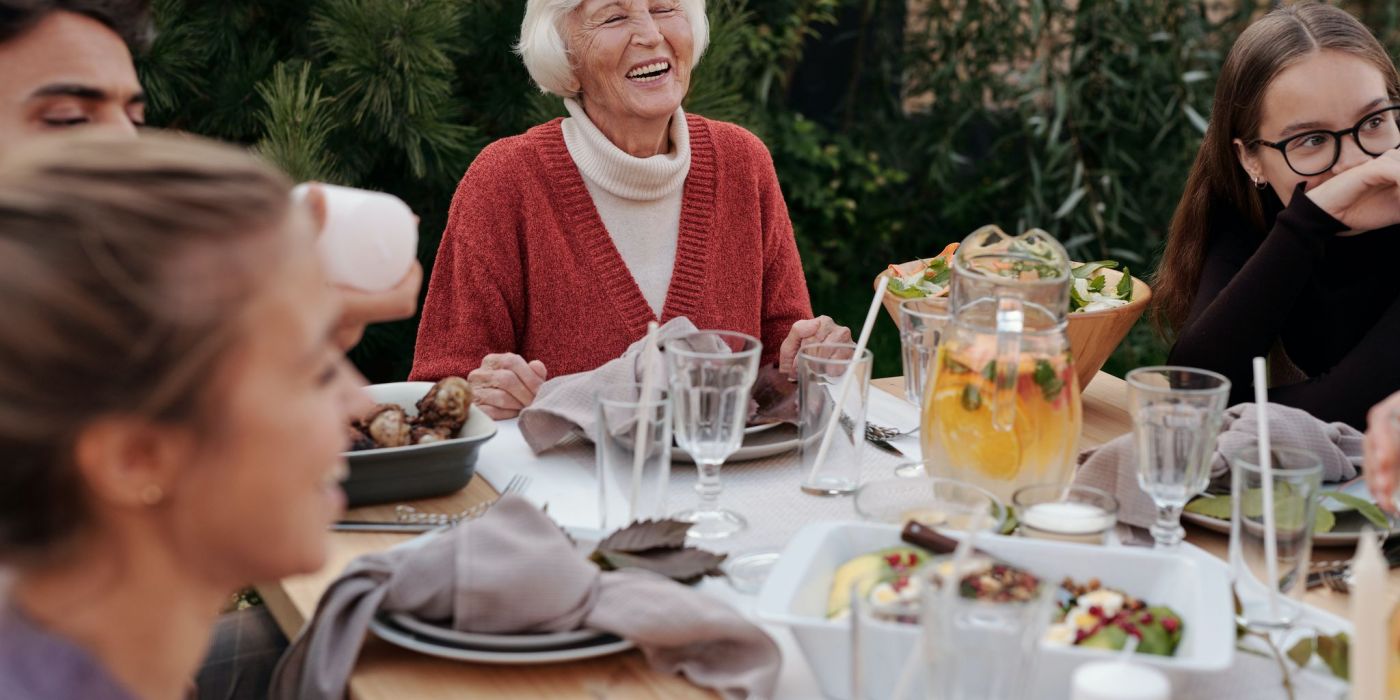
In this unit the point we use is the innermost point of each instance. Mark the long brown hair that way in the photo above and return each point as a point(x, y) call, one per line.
point(1218, 186)
point(126, 271)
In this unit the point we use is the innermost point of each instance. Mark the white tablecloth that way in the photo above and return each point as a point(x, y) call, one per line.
point(766, 492)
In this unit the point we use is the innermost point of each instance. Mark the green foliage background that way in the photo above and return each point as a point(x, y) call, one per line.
point(1077, 116)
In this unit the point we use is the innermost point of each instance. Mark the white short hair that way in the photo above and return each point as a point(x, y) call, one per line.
point(546, 55)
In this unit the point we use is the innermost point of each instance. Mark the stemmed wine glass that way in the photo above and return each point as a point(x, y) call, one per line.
point(1176, 419)
point(711, 373)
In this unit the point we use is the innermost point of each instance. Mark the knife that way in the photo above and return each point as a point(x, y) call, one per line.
point(886, 446)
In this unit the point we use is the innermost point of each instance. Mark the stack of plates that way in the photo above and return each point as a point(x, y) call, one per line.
point(437, 639)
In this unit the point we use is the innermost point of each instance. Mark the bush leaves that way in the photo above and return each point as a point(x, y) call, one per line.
point(657, 546)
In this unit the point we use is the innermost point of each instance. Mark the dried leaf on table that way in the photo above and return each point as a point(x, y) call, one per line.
point(1302, 652)
point(686, 564)
point(1334, 651)
point(645, 535)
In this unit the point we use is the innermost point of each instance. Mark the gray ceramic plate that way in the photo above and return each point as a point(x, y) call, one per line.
point(417, 471)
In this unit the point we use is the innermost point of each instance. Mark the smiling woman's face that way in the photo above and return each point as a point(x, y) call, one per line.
point(632, 58)
point(1328, 90)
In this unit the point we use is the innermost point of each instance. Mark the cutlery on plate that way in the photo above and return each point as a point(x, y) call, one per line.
point(884, 445)
point(1336, 574)
point(875, 431)
point(411, 519)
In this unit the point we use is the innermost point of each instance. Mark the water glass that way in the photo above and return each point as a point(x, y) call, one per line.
point(885, 663)
point(824, 372)
point(1297, 477)
point(979, 649)
point(933, 501)
point(921, 323)
point(1176, 419)
point(711, 374)
point(1071, 513)
point(633, 454)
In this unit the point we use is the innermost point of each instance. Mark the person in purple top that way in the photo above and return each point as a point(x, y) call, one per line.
point(173, 407)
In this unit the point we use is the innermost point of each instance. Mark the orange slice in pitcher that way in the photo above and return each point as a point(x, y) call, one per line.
point(969, 437)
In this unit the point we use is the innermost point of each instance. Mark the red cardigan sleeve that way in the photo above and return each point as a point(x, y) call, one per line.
point(785, 299)
point(475, 295)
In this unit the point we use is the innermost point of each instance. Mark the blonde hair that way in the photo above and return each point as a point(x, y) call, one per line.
point(546, 55)
point(126, 269)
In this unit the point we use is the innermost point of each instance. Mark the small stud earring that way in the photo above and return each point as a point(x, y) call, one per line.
point(152, 494)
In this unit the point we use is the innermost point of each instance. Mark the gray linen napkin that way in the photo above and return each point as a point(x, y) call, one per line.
point(566, 402)
point(513, 570)
point(1112, 466)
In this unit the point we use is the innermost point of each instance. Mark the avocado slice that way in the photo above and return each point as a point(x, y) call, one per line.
point(1108, 637)
point(867, 570)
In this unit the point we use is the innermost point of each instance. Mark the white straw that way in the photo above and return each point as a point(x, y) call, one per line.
point(1266, 475)
point(846, 380)
point(643, 443)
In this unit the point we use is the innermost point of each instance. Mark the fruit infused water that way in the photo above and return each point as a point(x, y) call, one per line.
point(1033, 444)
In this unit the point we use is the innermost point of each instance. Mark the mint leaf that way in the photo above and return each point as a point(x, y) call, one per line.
point(1097, 283)
point(954, 366)
point(990, 371)
point(1302, 652)
point(1335, 651)
point(971, 398)
point(1367, 509)
point(1125, 285)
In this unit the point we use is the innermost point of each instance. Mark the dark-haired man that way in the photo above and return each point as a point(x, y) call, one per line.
point(66, 63)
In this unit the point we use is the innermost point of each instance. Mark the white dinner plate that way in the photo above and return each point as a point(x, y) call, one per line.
point(1346, 534)
point(393, 634)
point(493, 642)
point(767, 443)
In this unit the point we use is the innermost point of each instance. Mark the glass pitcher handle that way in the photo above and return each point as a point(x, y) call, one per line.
point(1011, 321)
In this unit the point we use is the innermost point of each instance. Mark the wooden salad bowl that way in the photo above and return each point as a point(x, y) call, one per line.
point(1093, 335)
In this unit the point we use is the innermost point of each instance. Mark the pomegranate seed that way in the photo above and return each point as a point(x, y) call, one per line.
point(1171, 624)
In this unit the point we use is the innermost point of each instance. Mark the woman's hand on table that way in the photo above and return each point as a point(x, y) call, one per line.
point(813, 330)
point(1365, 197)
point(506, 383)
point(363, 308)
point(1381, 450)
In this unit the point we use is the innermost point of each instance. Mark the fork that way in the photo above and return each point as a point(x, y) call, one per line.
point(880, 433)
point(1336, 579)
point(411, 515)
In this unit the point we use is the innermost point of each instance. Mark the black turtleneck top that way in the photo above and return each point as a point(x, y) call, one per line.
point(1332, 301)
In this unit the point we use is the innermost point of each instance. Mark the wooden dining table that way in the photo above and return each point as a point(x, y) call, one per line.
point(385, 672)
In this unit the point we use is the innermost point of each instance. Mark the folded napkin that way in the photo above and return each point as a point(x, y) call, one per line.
point(1112, 467)
point(570, 401)
point(514, 570)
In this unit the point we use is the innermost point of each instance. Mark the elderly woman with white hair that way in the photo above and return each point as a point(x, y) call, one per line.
point(564, 242)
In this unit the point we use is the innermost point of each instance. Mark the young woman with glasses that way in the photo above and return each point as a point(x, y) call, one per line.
point(1284, 244)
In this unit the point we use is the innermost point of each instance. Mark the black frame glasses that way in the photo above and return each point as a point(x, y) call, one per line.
point(1336, 136)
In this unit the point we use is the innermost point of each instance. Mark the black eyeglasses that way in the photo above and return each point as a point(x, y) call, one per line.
point(1315, 152)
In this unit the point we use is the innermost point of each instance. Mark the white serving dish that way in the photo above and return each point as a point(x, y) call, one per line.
point(1192, 583)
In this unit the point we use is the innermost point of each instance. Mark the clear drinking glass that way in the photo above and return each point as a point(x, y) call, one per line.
point(979, 649)
point(633, 454)
point(1176, 418)
point(1297, 477)
point(933, 501)
point(822, 370)
point(921, 323)
point(884, 637)
point(711, 373)
point(1071, 513)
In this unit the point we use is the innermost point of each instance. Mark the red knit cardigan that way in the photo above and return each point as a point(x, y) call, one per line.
point(526, 265)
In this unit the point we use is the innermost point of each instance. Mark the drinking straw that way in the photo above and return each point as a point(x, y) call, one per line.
point(846, 380)
point(639, 448)
point(1266, 474)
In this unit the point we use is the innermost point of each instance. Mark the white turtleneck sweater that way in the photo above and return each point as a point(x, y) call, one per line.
point(638, 199)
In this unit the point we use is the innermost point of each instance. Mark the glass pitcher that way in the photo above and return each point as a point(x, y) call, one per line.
point(1003, 408)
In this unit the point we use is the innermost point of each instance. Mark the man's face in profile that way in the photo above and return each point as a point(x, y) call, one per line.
point(67, 71)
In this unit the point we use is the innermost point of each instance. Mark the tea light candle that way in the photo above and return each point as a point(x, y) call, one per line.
point(1068, 518)
point(369, 240)
point(1118, 680)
